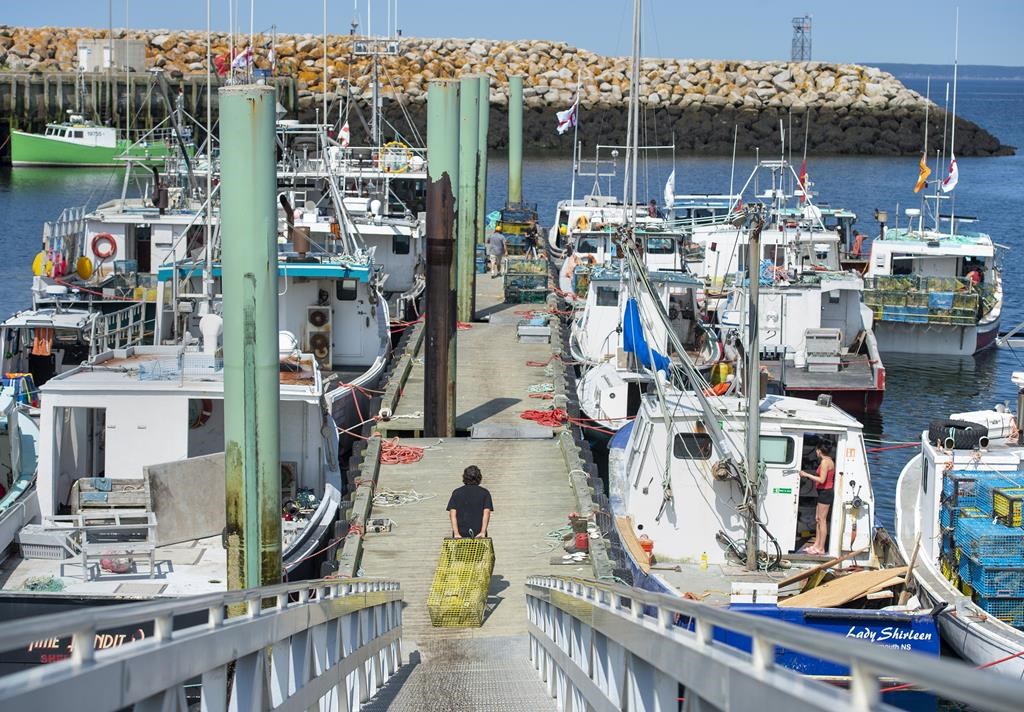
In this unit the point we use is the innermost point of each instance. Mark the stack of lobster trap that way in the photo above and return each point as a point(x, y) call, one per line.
point(982, 521)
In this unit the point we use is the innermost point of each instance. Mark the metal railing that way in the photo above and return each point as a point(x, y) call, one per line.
point(118, 330)
point(326, 644)
point(609, 647)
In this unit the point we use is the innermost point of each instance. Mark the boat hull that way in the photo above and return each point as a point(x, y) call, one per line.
point(852, 400)
point(34, 150)
point(935, 339)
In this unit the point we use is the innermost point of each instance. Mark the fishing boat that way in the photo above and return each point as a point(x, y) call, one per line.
point(921, 287)
point(695, 519)
point(958, 508)
point(612, 375)
point(130, 479)
point(82, 143)
point(19, 440)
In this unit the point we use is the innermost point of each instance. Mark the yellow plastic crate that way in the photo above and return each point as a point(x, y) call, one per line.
point(1007, 505)
point(458, 594)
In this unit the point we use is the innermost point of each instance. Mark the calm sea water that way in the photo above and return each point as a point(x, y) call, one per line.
point(918, 389)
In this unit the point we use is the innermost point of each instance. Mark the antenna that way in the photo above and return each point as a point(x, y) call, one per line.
point(801, 51)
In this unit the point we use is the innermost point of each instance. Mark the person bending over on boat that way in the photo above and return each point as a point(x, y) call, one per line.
point(470, 506)
point(825, 478)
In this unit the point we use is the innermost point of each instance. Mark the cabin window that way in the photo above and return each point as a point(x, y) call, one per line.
point(587, 246)
point(76, 134)
point(401, 244)
point(777, 449)
point(692, 446)
point(924, 474)
point(607, 296)
point(660, 245)
point(347, 290)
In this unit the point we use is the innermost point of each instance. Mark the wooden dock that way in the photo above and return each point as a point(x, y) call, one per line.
point(529, 480)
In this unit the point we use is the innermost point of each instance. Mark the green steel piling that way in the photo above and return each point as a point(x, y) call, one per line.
point(251, 363)
point(515, 140)
point(465, 245)
point(442, 197)
point(481, 183)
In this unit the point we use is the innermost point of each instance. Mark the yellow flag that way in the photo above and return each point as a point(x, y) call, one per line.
point(922, 177)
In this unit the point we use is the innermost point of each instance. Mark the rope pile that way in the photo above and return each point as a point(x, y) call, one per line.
point(396, 498)
point(552, 417)
point(393, 453)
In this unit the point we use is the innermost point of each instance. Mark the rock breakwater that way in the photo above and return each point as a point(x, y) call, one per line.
point(844, 108)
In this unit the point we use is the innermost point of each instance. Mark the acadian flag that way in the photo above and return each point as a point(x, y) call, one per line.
point(952, 178)
point(803, 181)
point(922, 176)
point(344, 136)
point(567, 118)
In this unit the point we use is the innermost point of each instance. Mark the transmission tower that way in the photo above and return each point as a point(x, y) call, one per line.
point(801, 39)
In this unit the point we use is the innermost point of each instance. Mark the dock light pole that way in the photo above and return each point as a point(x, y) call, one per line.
point(442, 195)
point(252, 385)
point(515, 140)
point(465, 247)
point(481, 183)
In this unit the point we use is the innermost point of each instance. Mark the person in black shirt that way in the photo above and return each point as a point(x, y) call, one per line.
point(470, 506)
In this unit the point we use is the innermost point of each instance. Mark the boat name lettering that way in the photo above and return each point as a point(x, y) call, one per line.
point(103, 641)
point(887, 633)
point(782, 490)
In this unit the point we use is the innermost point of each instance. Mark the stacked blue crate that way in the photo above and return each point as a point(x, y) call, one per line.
point(985, 486)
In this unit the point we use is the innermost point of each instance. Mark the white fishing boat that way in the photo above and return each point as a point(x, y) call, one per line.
point(612, 377)
point(959, 502)
point(934, 292)
point(130, 481)
point(816, 336)
point(19, 438)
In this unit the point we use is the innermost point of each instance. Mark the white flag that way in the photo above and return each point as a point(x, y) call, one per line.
point(954, 175)
point(242, 60)
point(567, 118)
point(344, 136)
point(670, 189)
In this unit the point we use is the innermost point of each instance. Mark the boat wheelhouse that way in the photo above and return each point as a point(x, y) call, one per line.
point(133, 440)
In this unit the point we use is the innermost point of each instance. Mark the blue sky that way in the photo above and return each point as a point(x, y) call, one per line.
point(913, 31)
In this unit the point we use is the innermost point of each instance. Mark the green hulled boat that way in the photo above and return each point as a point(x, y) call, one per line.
point(85, 143)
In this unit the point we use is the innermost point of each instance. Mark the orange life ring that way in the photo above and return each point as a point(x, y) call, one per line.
point(104, 246)
point(199, 414)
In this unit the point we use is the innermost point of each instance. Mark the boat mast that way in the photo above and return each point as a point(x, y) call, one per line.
point(952, 131)
point(753, 387)
point(208, 288)
point(325, 63)
point(634, 105)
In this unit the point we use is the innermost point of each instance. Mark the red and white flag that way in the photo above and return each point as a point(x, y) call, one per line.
point(344, 136)
point(954, 175)
point(567, 118)
point(243, 59)
point(803, 181)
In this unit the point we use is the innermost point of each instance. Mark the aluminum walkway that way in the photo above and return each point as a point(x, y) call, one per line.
point(484, 668)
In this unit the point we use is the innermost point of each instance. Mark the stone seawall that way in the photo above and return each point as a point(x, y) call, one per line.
point(845, 108)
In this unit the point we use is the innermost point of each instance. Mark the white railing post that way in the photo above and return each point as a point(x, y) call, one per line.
point(864, 690)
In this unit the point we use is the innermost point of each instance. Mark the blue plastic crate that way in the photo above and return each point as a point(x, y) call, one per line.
point(992, 543)
point(985, 485)
point(1008, 610)
point(996, 581)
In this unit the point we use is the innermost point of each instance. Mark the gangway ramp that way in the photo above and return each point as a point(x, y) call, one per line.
point(526, 472)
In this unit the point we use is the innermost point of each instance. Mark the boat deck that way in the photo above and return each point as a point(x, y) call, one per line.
point(183, 569)
point(854, 374)
point(529, 483)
